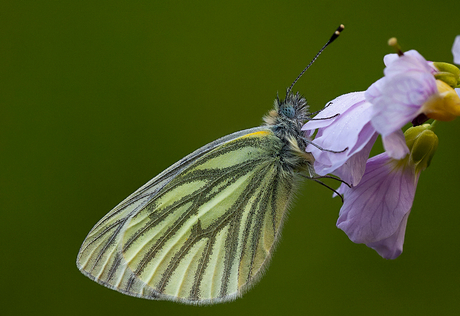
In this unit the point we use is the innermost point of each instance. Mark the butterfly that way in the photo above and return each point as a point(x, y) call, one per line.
point(204, 229)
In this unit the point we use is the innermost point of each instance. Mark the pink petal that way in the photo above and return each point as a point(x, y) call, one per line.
point(376, 207)
point(339, 105)
point(410, 61)
point(347, 134)
point(456, 50)
point(395, 145)
point(353, 169)
point(391, 247)
point(401, 100)
point(389, 58)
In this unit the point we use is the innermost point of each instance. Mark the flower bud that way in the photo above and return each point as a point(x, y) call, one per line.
point(448, 73)
point(422, 143)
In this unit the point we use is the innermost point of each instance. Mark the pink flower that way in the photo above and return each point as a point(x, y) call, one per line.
point(410, 88)
point(375, 211)
point(348, 127)
point(379, 199)
point(344, 138)
point(399, 96)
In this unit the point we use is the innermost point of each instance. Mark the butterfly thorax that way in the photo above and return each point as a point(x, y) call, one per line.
point(286, 121)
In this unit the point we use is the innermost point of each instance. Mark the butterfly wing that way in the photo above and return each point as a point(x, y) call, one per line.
point(202, 230)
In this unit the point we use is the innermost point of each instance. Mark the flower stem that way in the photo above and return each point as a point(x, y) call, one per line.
point(433, 125)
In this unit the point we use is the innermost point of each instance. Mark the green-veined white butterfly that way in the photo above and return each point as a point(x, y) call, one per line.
point(204, 229)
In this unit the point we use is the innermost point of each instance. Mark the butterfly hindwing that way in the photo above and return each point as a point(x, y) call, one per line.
point(201, 231)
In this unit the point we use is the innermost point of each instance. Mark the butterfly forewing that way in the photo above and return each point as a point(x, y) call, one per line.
point(202, 230)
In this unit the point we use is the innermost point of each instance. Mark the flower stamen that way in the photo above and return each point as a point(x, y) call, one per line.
point(393, 42)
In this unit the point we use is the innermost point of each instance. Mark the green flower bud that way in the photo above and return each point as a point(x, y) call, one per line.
point(448, 78)
point(448, 73)
point(422, 143)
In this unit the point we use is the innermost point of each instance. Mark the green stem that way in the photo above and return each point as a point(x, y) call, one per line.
point(433, 125)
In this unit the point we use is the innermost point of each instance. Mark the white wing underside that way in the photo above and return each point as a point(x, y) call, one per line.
point(201, 231)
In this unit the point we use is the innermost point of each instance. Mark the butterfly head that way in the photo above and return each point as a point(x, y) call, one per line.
point(292, 110)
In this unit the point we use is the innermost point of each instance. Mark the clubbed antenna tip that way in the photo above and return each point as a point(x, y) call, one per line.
point(333, 37)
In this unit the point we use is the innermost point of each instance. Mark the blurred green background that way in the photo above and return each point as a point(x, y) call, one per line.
point(97, 97)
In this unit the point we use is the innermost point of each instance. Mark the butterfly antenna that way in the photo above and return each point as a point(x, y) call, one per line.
point(333, 37)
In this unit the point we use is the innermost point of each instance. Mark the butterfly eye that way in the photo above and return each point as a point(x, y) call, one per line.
point(288, 111)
